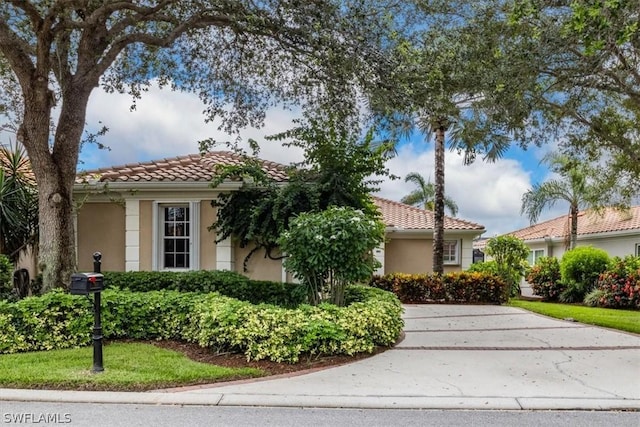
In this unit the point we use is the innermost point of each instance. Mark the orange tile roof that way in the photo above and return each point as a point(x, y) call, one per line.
point(189, 168)
point(407, 217)
point(589, 222)
point(200, 168)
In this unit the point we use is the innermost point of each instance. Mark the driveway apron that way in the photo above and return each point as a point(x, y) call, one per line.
point(471, 356)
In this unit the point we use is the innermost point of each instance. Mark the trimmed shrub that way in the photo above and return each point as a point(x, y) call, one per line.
point(463, 287)
point(579, 270)
point(489, 267)
point(544, 278)
point(227, 283)
point(59, 320)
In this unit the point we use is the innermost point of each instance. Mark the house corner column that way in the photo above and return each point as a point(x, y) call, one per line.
point(225, 257)
point(132, 235)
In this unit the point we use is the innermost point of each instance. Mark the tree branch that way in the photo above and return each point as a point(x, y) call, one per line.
point(16, 51)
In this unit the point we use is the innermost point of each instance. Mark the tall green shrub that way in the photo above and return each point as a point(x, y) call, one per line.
point(510, 255)
point(330, 249)
point(579, 270)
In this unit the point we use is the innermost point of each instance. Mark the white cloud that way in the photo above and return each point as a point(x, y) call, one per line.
point(168, 124)
point(486, 193)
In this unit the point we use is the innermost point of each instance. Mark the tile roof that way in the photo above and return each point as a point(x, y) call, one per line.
point(407, 217)
point(200, 168)
point(589, 222)
point(189, 168)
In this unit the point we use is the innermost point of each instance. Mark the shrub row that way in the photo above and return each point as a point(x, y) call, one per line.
point(59, 320)
point(617, 284)
point(462, 287)
point(227, 283)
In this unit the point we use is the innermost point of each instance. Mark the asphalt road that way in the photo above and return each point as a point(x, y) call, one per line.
point(116, 415)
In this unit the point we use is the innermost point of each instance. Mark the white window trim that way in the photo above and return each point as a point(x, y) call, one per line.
point(637, 249)
point(194, 237)
point(533, 254)
point(458, 247)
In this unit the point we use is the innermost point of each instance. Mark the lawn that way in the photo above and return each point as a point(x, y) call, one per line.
point(624, 320)
point(128, 366)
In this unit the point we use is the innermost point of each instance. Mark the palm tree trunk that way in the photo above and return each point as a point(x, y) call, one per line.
point(438, 214)
point(574, 226)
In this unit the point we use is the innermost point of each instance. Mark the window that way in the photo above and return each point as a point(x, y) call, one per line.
point(637, 249)
point(450, 252)
point(176, 245)
point(175, 237)
point(534, 255)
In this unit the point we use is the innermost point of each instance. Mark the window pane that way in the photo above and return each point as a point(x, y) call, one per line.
point(169, 261)
point(180, 261)
point(181, 245)
point(169, 230)
point(169, 245)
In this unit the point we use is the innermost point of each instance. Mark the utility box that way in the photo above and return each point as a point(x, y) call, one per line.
point(86, 283)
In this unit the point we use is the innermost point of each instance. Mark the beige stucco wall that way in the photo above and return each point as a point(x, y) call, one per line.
point(412, 256)
point(207, 238)
point(101, 227)
point(259, 266)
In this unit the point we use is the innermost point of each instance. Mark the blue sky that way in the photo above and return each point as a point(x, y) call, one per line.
point(169, 124)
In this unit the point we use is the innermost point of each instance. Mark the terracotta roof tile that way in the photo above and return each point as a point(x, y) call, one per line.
point(589, 222)
point(200, 168)
point(407, 217)
point(190, 168)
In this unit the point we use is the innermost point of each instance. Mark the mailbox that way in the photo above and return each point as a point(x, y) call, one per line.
point(86, 283)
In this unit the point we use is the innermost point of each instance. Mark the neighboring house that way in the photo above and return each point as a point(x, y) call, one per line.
point(615, 231)
point(155, 216)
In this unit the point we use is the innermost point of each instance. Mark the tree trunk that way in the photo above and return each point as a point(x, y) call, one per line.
point(438, 213)
point(574, 226)
point(55, 175)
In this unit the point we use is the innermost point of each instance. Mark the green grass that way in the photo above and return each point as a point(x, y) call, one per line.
point(128, 366)
point(624, 320)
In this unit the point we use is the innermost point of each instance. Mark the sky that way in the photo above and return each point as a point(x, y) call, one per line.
point(169, 124)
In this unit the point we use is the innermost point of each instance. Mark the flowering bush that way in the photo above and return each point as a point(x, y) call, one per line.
point(618, 287)
point(544, 278)
point(330, 249)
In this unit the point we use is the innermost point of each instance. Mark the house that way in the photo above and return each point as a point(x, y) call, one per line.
point(615, 231)
point(154, 216)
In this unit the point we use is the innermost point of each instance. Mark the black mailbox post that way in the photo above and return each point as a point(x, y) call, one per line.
point(86, 284)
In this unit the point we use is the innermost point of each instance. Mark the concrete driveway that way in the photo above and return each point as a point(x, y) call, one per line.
point(453, 356)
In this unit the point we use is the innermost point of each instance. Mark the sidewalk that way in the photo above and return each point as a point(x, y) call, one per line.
point(452, 357)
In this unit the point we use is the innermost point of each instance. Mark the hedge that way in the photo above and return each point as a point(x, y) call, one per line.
point(227, 283)
point(462, 287)
point(59, 320)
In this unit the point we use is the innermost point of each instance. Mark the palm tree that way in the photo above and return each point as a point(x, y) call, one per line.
point(572, 187)
point(425, 194)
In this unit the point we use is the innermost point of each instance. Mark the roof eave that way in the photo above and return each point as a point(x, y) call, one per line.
point(154, 186)
point(417, 231)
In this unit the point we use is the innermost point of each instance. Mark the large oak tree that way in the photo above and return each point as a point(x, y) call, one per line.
point(239, 56)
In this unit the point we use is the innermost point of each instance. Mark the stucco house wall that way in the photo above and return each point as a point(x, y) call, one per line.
point(125, 223)
point(101, 228)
